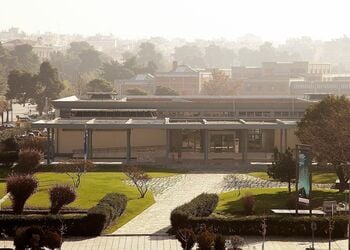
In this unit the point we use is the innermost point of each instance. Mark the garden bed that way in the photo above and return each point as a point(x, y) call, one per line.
point(90, 223)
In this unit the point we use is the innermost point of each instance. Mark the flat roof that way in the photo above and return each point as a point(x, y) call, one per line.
point(183, 98)
point(115, 110)
point(162, 124)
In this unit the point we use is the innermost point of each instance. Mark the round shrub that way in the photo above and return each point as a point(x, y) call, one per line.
point(7, 158)
point(248, 202)
point(205, 240)
point(186, 237)
point(219, 242)
point(52, 240)
point(28, 160)
point(21, 187)
point(61, 195)
point(35, 143)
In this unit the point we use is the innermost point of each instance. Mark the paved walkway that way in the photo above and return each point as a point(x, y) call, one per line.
point(156, 219)
point(116, 242)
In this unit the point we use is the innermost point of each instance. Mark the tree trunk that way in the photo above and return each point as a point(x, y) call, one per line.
point(289, 189)
point(341, 176)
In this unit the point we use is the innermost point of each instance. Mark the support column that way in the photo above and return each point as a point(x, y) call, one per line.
point(52, 146)
point(48, 146)
point(128, 145)
point(206, 144)
point(167, 146)
point(281, 140)
point(285, 140)
point(57, 141)
point(245, 146)
point(89, 147)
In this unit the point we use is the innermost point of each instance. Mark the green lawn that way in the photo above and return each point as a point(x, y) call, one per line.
point(318, 176)
point(269, 198)
point(94, 185)
point(261, 175)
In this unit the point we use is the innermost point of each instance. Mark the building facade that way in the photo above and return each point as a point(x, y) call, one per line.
point(183, 129)
point(143, 82)
point(183, 79)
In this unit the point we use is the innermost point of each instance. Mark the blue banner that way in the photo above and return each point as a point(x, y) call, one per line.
point(304, 161)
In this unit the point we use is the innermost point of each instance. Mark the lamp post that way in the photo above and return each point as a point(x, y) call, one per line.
point(263, 232)
point(348, 207)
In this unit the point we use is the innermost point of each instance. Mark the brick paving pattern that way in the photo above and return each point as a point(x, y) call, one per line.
point(117, 242)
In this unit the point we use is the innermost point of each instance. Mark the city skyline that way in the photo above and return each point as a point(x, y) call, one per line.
point(188, 19)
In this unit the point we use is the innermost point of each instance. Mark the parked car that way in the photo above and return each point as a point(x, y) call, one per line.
point(24, 118)
point(9, 125)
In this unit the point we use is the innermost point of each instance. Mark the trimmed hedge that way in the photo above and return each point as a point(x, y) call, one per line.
point(201, 206)
point(276, 225)
point(8, 158)
point(195, 213)
point(99, 217)
point(72, 223)
point(93, 223)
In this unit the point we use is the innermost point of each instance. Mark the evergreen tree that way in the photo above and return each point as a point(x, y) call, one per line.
point(47, 85)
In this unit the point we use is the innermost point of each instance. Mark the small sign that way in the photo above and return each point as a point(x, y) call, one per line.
point(304, 201)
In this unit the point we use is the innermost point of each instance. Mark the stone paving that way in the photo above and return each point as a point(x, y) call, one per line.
point(117, 242)
point(160, 185)
point(155, 219)
point(173, 191)
point(238, 181)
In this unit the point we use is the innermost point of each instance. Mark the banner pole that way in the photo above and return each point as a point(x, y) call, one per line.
point(296, 178)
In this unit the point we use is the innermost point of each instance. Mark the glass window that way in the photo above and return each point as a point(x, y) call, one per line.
point(221, 143)
point(191, 141)
point(254, 140)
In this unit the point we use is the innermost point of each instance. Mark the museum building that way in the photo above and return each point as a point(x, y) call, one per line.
point(186, 129)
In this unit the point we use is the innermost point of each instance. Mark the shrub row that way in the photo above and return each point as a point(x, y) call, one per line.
point(7, 158)
point(110, 207)
point(93, 223)
point(201, 206)
point(71, 223)
point(276, 225)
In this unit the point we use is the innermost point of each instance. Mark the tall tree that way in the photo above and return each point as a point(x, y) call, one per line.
point(283, 167)
point(81, 58)
point(90, 60)
point(132, 64)
point(99, 85)
point(68, 65)
point(4, 107)
point(20, 86)
point(216, 56)
point(115, 71)
point(325, 127)
point(26, 59)
point(147, 54)
point(3, 80)
point(78, 47)
point(47, 84)
point(7, 60)
point(190, 55)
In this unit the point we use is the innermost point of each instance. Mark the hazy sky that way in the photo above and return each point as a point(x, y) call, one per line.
point(270, 19)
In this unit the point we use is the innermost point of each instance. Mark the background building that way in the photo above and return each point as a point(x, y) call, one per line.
point(183, 79)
